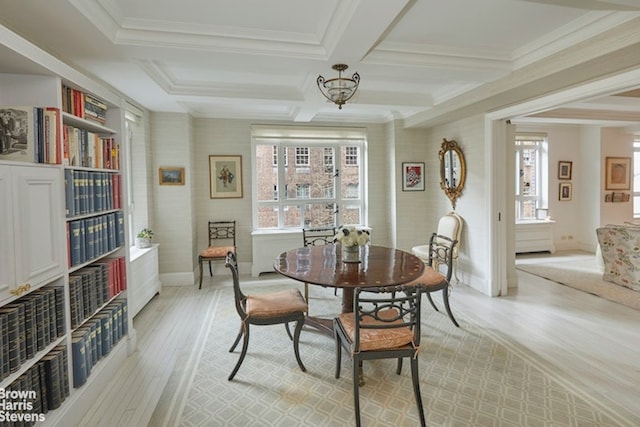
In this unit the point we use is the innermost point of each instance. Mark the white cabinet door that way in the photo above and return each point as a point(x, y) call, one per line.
point(7, 261)
point(35, 242)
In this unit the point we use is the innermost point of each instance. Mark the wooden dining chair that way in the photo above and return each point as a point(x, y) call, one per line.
point(222, 239)
point(317, 236)
point(385, 324)
point(265, 309)
point(440, 256)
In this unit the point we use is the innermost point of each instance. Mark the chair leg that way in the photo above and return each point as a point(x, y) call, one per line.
point(210, 271)
point(455, 270)
point(431, 301)
point(415, 378)
point(200, 268)
point(235, 343)
point(245, 344)
point(286, 326)
point(356, 389)
point(445, 298)
point(338, 352)
point(296, 341)
point(306, 292)
point(399, 368)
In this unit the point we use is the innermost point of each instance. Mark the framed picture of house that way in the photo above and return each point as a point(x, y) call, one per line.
point(225, 177)
point(564, 169)
point(413, 176)
point(618, 173)
point(564, 194)
point(171, 176)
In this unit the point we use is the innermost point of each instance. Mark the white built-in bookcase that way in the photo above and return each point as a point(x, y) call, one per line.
point(33, 224)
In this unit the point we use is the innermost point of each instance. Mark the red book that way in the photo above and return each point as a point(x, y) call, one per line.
point(123, 274)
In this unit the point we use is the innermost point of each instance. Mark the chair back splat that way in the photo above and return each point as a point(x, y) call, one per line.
point(222, 239)
point(385, 324)
point(317, 236)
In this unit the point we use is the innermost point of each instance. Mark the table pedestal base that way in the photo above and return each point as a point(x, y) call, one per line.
point(323, 325)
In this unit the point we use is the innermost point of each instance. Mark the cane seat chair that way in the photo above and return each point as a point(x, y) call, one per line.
point(441, 249)
point(265, 309)
point(449, 225)
point(317, 236)
point(385, 324)
point(222, 240)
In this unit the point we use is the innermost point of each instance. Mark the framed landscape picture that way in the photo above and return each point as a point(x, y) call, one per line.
point(225, 177)
point(413, 176)
point(171, 176)
point(564, 169)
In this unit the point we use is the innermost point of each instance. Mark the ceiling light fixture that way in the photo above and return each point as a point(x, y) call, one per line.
point(340, 89)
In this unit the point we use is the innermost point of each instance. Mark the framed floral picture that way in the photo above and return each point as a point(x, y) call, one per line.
point(412, 176)
point(564, 169)
point(225, 177)
point(171, 176)
point(618, 173)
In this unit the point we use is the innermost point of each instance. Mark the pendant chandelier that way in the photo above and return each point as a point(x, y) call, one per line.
point(339, 89)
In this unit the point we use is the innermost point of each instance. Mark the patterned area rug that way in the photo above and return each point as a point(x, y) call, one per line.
point(470, 376)
point(584, 275)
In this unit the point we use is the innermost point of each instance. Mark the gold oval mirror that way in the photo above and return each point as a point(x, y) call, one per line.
point(453, 170)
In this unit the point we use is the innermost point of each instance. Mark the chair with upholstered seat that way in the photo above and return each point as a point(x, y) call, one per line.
point(441, 249)
point(449, 225)
point(265, 309)
point(222, 239)
point(317, 236)
point(385, 324)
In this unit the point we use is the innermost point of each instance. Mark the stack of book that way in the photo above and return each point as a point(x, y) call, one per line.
point(95, 338)
point(91, 192)
point(88, 149)
point(91, 238)
point(84, 105)
point(93, 286)
point(43, 387)
point(28, 325)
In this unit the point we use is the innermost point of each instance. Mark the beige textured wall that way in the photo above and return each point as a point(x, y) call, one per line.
point(171, 135)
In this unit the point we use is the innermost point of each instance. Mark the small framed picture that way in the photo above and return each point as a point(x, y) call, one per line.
point(564, 193)
point(171, 176)
point(618, 173)
point(564, 169)
point(413, 176)
point(225, 177)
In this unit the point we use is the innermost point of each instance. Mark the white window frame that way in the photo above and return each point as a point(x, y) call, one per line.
point(542, 174)
point(299, 136)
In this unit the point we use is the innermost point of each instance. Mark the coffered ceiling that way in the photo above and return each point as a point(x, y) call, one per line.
point(260, 59)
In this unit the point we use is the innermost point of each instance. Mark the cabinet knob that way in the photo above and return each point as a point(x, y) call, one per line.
point(21, 289)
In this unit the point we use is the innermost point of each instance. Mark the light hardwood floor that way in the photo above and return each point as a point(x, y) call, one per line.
point(596, 341)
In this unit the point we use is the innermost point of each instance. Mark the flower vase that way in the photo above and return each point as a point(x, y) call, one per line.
point(143, 243)
point(351, 253)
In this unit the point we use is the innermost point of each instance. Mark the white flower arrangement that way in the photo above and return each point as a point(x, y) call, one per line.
point(351, 236)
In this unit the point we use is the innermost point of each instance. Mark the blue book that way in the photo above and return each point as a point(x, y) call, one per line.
point(69, 192)
point(79, 359)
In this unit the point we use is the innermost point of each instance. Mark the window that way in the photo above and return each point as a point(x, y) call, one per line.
point(325, 186)
point(636, 178)
point(531, 175)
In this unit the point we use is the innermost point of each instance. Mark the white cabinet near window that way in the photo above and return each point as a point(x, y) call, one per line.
point(31, 240)
point(534, 236)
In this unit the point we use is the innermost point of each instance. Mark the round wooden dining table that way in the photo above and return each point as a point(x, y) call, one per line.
point(323, 266)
